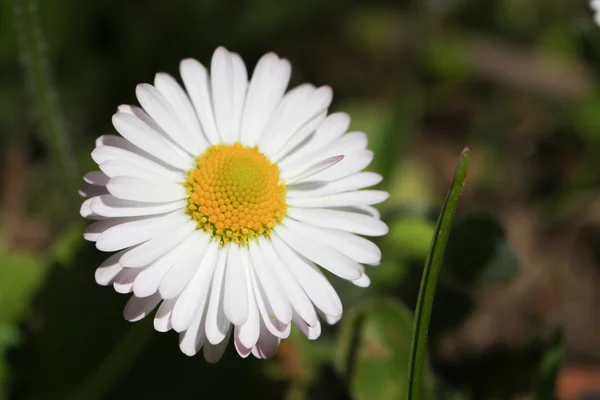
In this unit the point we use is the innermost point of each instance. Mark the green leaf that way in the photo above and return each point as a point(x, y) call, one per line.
point(430, 278)
point(373, 347)
point(545, 383)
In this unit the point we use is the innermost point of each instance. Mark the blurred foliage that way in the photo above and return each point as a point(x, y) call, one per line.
point(516, 80)
point(20, 275)
point(373, 350)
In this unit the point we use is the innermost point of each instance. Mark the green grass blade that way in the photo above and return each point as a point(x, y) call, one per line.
point(430, 278)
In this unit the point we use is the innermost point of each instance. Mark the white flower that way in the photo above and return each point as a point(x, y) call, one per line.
point(221, 200)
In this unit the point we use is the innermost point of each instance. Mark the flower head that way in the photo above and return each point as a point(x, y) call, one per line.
point(221, 201)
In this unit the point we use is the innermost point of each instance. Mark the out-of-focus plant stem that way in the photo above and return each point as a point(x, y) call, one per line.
point(430, 278)
point(32, 48)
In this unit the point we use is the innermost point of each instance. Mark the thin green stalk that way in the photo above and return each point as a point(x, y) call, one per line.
point(430, 278)
point(121, 358)
point(33, 56)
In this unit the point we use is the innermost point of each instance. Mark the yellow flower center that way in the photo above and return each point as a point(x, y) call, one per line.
point(235, 194)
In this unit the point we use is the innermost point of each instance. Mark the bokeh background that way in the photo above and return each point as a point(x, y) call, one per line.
point(517, 312)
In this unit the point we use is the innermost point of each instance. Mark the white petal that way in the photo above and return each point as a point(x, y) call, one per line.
point(240, 87)
point(93, 231)
point(315, 284)
point(357, 198)
point(292, 101)
point(157, 107)
point(292, 115)
point(180, 274)
point(274, 292)
point(148, 281)
point(123, 282)
point(217, 325)
point(142, 115)
point(149, 251)
point(292, 289)
point(267, 344)
point(116, 141)
point(311, 332)
point(359, 249)
point(242, 350)
point(235, 301)
point(265, 310)
point(221, 79)
point(86, 210)
point(349, 143)
point(88, 190)
point(142, 190)
point(181, 106)
point(144, 136)
point(137, 308)
point(229, 81)
point(267, 86)
point(338, 219)
point(195, 294)
point(124, 149)
point(114, 168)
point(351, 164)
point(332, 127)
point(110, 206)
point(192, 340)
point(135, 232)
point(97, 178)
point(195, 78)
point(311, 188)
point(109, 269)
point(366, 210)
point(162, 318)
point(314, 169)
point(214, 352)
point(332, 260)
point(363, 281)
point(332, 319)
point(105, 153)
point(352, 145)
point(300, 138)
point(249, 332)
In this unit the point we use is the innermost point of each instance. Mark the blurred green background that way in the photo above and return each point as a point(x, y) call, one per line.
point(517, 312)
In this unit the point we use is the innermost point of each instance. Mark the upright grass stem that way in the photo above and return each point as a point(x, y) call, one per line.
point(38, 75)
point(430, 277)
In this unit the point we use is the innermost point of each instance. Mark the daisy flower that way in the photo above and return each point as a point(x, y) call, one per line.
point(222, 200)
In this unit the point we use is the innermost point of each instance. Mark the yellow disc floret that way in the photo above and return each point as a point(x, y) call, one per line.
point(235, 194)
